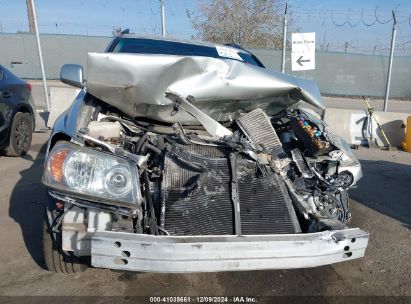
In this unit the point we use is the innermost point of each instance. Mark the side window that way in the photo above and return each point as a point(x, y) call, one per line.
point(1, 74)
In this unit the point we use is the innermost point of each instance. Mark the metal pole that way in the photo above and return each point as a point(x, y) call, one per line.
point(387, 89)
point(43, 74)
point(30, 16)
point(163, 19)
point(284, 39)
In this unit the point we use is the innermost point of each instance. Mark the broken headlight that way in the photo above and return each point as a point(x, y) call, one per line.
point(92, 175)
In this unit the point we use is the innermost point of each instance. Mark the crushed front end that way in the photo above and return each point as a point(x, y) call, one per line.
point(261, 189)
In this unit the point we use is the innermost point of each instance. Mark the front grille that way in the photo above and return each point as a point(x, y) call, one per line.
point(197, 200)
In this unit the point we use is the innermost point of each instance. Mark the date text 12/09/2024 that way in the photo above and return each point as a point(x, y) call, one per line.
point(203, 299)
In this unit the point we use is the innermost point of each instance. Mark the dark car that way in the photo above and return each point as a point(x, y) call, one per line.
point(16, 114)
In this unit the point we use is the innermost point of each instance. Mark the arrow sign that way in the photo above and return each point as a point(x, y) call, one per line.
point(302, 51)
point(301, 60)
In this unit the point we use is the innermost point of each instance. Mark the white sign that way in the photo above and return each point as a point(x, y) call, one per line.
point(302, 51)
point(228, 52)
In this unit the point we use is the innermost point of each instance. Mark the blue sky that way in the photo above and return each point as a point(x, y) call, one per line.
point(97, 18)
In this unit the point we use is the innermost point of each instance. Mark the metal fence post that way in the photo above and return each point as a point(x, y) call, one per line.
point(43, 74)
point(387, 89)
point(163, 19)
point(284, 39)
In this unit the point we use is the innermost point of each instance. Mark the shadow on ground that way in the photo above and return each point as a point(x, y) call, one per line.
point(314, 281)
point(386, 188)
point(395, 130)
point(26, 204)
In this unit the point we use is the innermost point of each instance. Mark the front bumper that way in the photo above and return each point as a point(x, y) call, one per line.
point(147, 253)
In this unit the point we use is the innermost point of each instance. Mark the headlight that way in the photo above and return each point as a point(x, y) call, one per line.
point(348, 162)
point(92, 175)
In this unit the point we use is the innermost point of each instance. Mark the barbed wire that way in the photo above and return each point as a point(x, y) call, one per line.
point(355, 18)
point(363, 21)
point(371, 18)
point(338, 25)
point(377, 18)
point(349, 22)
point(360, 14)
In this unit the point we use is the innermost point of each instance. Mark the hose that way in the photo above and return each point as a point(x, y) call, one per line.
point(152, 220)
point(163, 230)
point(96, 112)
point(140, 143)
point(152, 148)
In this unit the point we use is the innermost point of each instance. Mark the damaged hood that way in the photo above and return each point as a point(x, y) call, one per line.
point(137, 85)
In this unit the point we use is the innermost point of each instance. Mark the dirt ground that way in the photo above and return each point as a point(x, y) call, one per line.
point(381, 204)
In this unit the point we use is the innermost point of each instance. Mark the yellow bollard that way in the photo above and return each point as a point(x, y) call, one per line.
point(407, 142)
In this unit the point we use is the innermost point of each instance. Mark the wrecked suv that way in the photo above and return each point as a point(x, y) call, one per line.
point(192, 157)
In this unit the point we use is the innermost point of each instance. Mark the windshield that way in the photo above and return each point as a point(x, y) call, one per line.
point(152, 46)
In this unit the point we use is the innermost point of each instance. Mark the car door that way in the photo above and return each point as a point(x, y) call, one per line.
point(7, 105)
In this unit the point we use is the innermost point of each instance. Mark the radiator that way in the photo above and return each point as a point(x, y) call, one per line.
point(196, 196)
point(257, 126)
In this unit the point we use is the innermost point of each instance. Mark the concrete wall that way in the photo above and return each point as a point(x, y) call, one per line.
point(19, 53)
point(336, 73)
point(353, 126)
point(350, 74)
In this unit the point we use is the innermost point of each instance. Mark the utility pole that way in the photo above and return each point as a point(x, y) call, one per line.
point(43, 74)
point(163, 19)
point(284, 39)
point(394, 32)
point(30, 15)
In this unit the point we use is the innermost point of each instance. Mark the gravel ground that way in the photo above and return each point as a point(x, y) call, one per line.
point(381, 205)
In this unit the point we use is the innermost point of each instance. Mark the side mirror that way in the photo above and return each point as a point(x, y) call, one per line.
point(72, 74)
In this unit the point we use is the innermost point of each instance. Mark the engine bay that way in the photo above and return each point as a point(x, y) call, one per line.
point(255, 175)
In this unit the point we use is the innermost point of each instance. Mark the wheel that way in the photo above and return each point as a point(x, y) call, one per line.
point(56, 260)
point(20, 134)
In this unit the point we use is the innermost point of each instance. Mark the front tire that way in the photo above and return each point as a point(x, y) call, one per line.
point(21, 133)
point(56, 260)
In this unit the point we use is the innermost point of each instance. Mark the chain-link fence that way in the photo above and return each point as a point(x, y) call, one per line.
point(336, 73)
point(349, 74)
